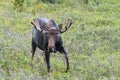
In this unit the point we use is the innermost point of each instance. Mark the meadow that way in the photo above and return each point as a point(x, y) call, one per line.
point(93, 40)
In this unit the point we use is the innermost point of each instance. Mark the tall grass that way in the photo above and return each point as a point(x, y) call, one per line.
point(93, 41)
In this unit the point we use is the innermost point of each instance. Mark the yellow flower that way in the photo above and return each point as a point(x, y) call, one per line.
point(39, 6)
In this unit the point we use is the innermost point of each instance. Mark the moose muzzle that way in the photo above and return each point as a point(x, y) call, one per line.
point(51, 44)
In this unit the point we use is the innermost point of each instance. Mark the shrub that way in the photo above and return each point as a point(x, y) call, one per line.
point(50, 1)
point(18, 5)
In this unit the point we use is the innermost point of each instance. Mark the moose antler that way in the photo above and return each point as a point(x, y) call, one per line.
point(36, 24)
point(69, 23)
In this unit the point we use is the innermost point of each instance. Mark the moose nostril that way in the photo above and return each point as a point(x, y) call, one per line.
point(51, 49)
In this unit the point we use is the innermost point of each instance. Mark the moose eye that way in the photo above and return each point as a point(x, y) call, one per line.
point(56, 32)
point(48, 34)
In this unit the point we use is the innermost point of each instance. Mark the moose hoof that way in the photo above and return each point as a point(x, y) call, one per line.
point(67, 70)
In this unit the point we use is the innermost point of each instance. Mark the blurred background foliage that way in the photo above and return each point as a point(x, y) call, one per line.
point(93, 41)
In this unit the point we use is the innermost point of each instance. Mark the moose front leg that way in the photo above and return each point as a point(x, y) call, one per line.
point(67, 62)
point(62, 50)
point(66, 57)
point(33, 50)
point(47, 59)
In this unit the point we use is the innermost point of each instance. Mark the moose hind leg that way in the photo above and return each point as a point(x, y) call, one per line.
point(62, 50)
point(33, 50)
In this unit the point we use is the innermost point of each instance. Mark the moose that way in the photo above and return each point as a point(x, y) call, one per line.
point(46, 35)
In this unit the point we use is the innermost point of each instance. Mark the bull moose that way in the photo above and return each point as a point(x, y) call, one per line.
point(46, 35)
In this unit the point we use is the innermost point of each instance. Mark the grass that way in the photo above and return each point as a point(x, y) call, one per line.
point(93, 41)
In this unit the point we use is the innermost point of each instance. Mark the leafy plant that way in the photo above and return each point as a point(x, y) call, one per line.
point(18, 5)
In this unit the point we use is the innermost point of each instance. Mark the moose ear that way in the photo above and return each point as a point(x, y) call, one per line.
point(60, 26)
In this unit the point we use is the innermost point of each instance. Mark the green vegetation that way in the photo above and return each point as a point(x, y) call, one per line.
point(93, 41)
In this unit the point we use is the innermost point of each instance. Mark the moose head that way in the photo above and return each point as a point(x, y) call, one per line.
point(51, 30)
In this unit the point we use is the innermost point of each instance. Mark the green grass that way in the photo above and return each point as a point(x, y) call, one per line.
point(93, 41)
